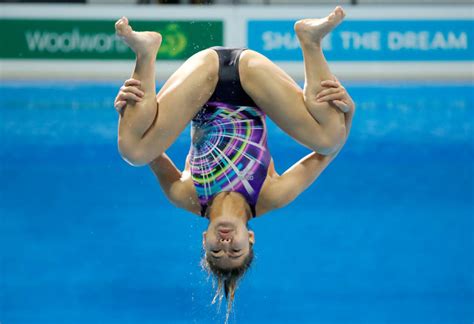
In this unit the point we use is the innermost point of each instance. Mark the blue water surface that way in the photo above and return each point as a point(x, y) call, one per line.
point(385, 235)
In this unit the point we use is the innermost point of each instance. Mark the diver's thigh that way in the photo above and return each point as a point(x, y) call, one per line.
point(278, 96)
point(185, 92)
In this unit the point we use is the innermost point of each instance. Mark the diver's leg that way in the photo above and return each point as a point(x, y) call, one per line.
point(137, 117)
point(148, 127)
point(317, 125)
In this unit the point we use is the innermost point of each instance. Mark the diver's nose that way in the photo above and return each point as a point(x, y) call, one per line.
point(225, 240)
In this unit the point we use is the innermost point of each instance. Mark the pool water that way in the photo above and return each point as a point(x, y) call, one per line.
point(385, 235)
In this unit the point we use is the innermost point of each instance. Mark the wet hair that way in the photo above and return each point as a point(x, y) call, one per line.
point(227, 279)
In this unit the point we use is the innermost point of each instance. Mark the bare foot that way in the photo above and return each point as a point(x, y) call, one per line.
point(312, 31)
point(142, 43)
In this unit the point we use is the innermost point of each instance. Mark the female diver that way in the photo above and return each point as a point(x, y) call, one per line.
point(229, 176)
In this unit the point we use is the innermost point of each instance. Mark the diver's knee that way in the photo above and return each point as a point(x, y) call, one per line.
point(209, 64)
point(135, 153)
point(330, 141)
point(338, 137)
point(251, 64)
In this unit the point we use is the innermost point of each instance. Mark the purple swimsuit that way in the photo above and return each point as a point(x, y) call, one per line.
point(229, 139)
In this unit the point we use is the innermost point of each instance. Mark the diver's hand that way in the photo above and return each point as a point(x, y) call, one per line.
point(334, 93)
point(129, 93)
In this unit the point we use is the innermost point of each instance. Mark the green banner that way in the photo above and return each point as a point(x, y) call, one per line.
point(96, 39)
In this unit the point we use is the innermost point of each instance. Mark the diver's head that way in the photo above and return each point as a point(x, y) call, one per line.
point(228, 243)
point(228, 240)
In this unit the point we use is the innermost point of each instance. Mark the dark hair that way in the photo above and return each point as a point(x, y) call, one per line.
point(227, 279)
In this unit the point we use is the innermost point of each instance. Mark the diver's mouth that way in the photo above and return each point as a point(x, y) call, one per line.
point(225, 231)
point(224, 226)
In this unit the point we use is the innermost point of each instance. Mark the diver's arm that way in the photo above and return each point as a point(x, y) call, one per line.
point(279, 191)
point(177, 186)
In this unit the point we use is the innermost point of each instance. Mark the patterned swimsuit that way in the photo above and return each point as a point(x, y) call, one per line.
point(229, 139)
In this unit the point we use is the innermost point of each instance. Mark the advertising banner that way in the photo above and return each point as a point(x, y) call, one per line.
point(77, 39)
point(371, 40)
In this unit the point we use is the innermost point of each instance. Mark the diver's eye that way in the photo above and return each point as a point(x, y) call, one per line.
point(215, 251)
point(236, 250)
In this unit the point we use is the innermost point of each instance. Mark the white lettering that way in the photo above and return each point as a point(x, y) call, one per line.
point(457, 42)
point(361, 41)
point(346, 40)
point(52, 43)
point(395, 41)
point(103, 43)
point(44, 41)
point(86, 43)
point(425, 41)
point(34, 41)
point(410, 40)
point(276, 40)
point(438, 41)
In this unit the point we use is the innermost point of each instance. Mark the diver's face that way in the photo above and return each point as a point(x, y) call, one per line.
point(227, 243)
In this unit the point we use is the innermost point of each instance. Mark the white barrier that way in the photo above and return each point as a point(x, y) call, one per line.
point(423, 49)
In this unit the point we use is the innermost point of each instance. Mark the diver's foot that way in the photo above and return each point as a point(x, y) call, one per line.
point(142, 43)
point(312, 31)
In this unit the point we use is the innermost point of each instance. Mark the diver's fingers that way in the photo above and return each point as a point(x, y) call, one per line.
point(330, 83)
point(132, 82)
point(326, 92)
point(116, 101)
point(132, 89)
point(342, 106)
point(119, 105)
point(128, 96)
point(334, 96)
